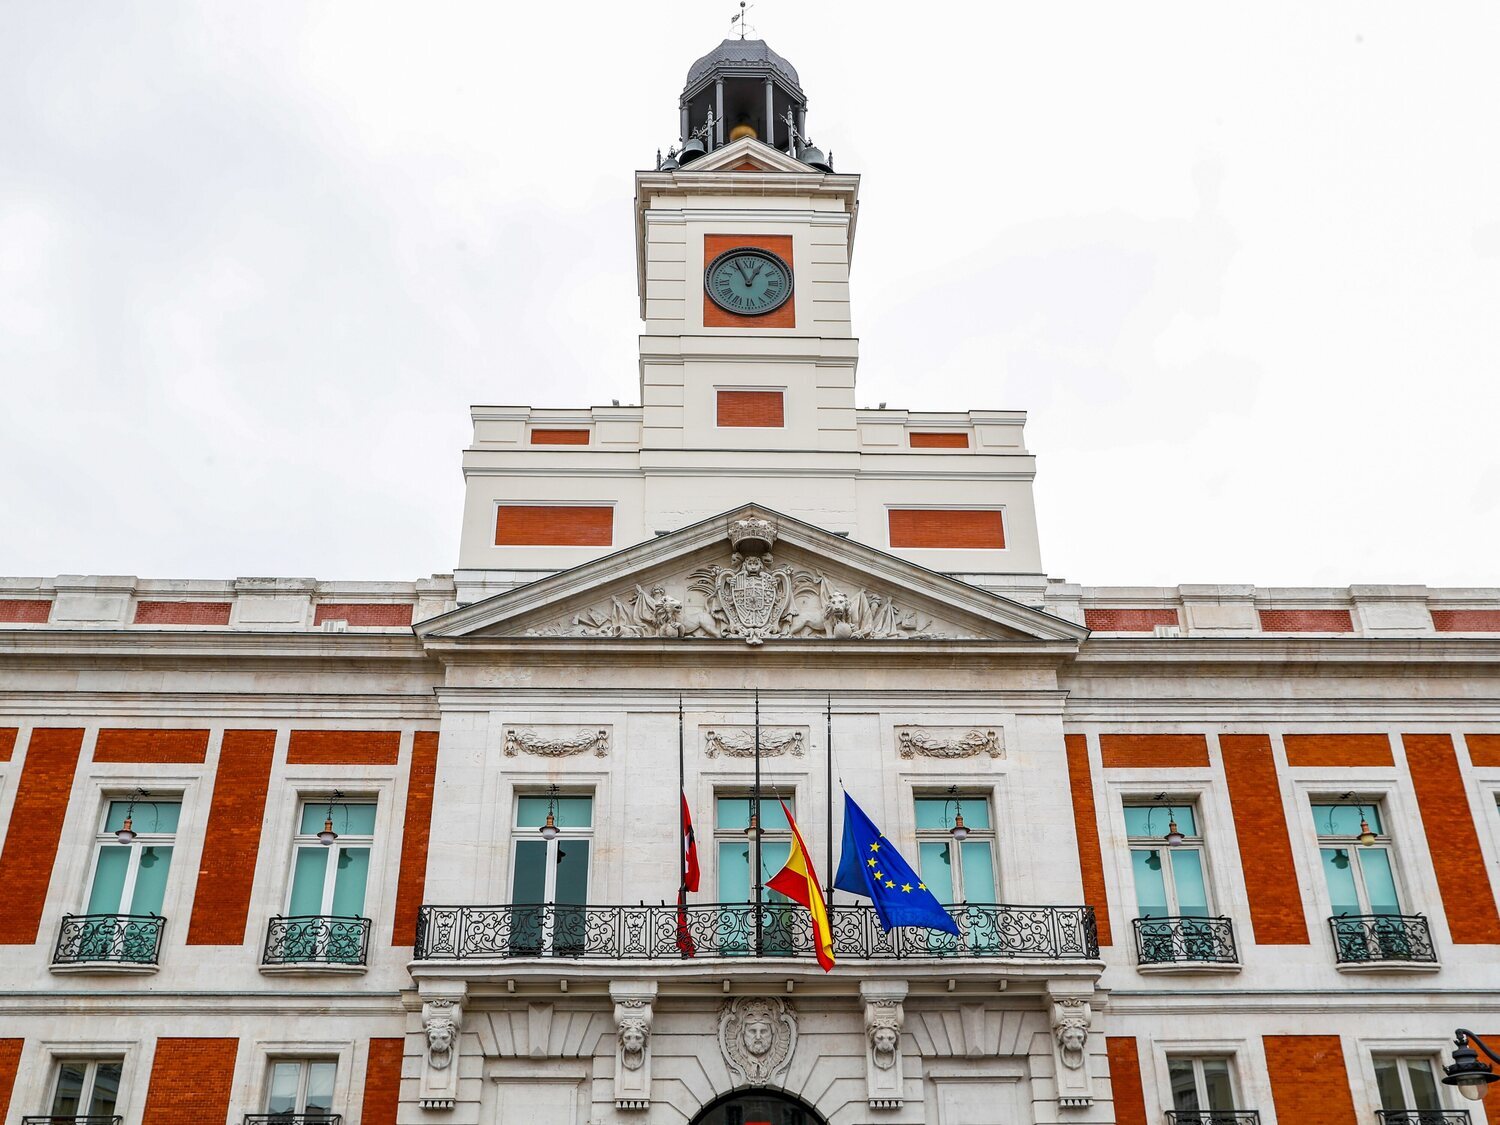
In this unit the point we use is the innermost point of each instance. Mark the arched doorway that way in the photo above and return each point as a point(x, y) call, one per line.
point(758, 1107)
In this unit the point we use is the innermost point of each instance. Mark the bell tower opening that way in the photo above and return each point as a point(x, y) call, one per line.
point(758, 1107)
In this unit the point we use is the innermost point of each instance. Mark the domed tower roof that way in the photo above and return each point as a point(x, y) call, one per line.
point(741, 56)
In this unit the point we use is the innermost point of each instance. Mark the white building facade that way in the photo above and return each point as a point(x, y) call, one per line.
point(381, 853)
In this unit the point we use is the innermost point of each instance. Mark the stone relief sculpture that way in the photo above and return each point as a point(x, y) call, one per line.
point(633, 1014)
point(437, 1087)
point(884, 1016)
point(919, 741)
point(757, 1036)
point(739, 742)
point(752, 600)
point(1071, 1017)
point(526, 740)
point(1072, 1034)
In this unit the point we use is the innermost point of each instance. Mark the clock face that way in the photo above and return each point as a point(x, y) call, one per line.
point(748, 281)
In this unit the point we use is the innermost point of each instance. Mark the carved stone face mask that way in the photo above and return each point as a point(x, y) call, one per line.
point(758, 1037)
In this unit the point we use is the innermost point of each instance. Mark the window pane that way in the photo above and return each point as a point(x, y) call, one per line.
point(1343, 820)
point(932, 858)
point(529, 884)
point(151, 880)
point(69, 1088)
point(149, 816)
point(1388, 1081)
point(349, 882)
point(573, 872)
point(1184, 1085)
point(320, 1087)
point(1338, 869)
point(1150, 883)
point(935, 814)
point(1187, 874)
point(1216, 1084)
point(979, 871)
point(281, 1097)
point(1379, 883)
point(307, 880)
point(773, 857)
point(106, 1087)
point(1423, 1086)
point(733, 814)
point(734, 871)
point(569, 812)
point(109, 879)
point(348, 820)
point(1155, 820)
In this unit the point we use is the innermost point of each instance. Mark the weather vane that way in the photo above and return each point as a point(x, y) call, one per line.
point(742, 18)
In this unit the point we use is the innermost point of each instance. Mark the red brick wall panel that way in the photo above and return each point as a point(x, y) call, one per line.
point(751, 409)
point(226, 871)
point(554, 525)
point(1086, 822)
point(382, 1082)
point(1276, 914)
point(386, 614)
point(343, 748)
point(1153, 751)
point(182, 613)
point(412, 877)
point(1462, 874)
point(953, 528)
point(931, 439)
point(1306, 621)
point(1125, 1079)
point(1105, 620)
point(1333, 750)
point(1484, 750)
point(559, 437)
point(778, 244)
point(24, 611)
point(36, 821)
point(1308, 1080)
point(7, 742)
point(160, 747)
point(10, 1063)
point(191, 1081)
point(1466, 620)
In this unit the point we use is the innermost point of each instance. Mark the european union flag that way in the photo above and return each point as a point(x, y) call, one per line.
point(871, 866)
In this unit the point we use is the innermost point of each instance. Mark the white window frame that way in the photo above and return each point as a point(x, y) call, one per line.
point(1383, 842)
point(1193, 842)
point(565, 832)
point(143, 840)
point(990, 836)
point(91, 1075)
point(736, 792)
point(1401, 1057)
point(302, 840)
point(302, 1062)
point(1201, 1083)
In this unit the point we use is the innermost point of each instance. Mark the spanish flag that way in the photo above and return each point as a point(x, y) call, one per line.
point(799, 882)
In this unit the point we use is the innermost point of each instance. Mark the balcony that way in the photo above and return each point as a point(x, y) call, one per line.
point(1423, 1116)
point(1213, 1117)
point(290, 1118)
point(108, 939)
point(1364, 939)
point(317, 939)
point(1189, 941)
point(457, 933)
point(72, 1119)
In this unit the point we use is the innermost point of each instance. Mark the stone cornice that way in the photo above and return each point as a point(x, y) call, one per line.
point(1099, 653)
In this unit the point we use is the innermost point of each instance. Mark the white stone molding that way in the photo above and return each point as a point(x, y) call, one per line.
point(556, 742)
point(633, 1015)
point(442, 1026)
point(884, 1018)
point(949, 742)
point(757, 1035)
point(1072, 1018)
point(739, 742)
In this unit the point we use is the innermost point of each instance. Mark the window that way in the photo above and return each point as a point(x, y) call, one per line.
point(86, 1087)
point(972, 878)
point(550, 879)
point(1200, 1087)
point(132, 878)
point(1169, 879)
point(734, 852)
point(1406, 1084)
point(330, 879)
point(301, 1086)
point(1360, 877)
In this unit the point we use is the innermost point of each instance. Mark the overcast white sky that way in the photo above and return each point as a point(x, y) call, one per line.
point(1241, 264)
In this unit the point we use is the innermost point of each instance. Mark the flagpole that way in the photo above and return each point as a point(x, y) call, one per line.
point(828, 811)
point(755, 820)
point(681, 808)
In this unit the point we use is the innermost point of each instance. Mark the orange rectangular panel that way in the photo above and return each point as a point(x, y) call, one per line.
point(182, 613)
point(24, 611)
point(1462, 874)
point(387, 614)
point(1306, 621)
point(7, 742)
point(554, 525)
point(751, 409)
point(778, 244)
point(1086, 823)
point(1308, 1079)
point(1484, 750)
point(36, 822)
point(10, 1062)
point(1303, 750)
point(343, 748)
point(930, 439)
point(559, 437)
point(1466, 620)
point(952, 528)
point(159, 746)
point(415, 835)
point(191, 1080)
point(226, 871)
point(382, 1081)
point(1125, 1079)
point(1128, 620)
point(1156, 751)
point(1276, 914)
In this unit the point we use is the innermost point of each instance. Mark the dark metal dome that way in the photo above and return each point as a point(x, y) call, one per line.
point(742, 53)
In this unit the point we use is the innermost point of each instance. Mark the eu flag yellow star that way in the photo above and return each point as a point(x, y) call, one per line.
point(871, 863)
point(875, 847)
point(880, 874)
point(921, 886)
point(890, 884)
point(906, 888)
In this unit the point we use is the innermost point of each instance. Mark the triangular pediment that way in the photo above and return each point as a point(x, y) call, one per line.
point(747, 155)
point(753, 576)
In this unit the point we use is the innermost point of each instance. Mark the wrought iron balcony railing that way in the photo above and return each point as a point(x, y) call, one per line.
point(1165, 941)
point(1213, 1117)
point(1423, 1116)
point(317, 939)
point(1057, 933)
point(72, 1119)
point(1365, 938)
point(125, 939)
point(294, 1118)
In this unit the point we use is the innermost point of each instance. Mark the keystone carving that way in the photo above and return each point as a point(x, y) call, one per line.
point(528, 741)
point(1071, 1017)
point(437, 1087)
point(633, 1015)
point(739, 742)
point(757, 1036)
point(885, 1015)
point(919, 741)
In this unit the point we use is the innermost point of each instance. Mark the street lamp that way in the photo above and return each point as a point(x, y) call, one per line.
point(1471, 1076)
point(550, 830)
point(328, 835)
point(959, 832)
